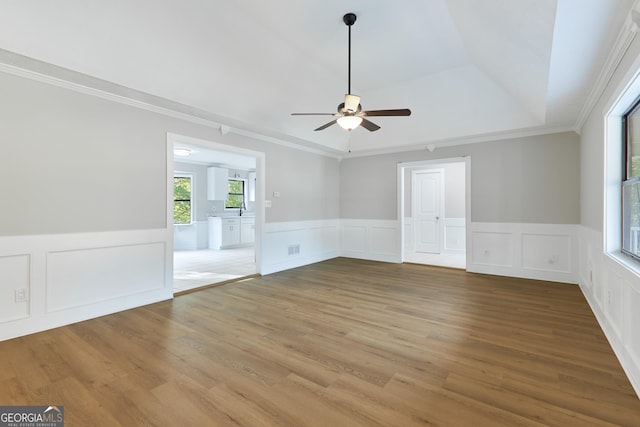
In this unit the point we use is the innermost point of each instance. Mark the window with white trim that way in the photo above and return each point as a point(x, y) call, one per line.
point(182, 199)
point(235, 194)
point(631, 181)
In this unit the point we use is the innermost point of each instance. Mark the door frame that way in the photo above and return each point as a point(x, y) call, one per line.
point(440, 224)
point(401, 167)
point(260, 190)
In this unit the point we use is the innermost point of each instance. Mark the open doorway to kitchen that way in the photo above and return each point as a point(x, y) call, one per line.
point(434, 210)
point(215, 211)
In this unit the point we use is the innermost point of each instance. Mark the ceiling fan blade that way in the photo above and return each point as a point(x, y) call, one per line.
point(313, 114)
point(351, 102)
point(370, 126)
point(333, 122)
point(379, 113)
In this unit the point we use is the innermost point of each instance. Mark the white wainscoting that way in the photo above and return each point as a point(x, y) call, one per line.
point(14, 274)
point(534, 251)
point(73, 277)
point(455, 236)
point(612, 288)
point(373, 239)
point(293, 244)
point(454, 240)
point(191, 237)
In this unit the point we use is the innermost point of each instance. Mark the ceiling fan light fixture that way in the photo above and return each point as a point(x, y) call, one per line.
point(349, 122)
point(350, 114)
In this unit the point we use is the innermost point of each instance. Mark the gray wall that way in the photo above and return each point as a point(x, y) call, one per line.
point(76, 163)
point(309, 185)
point(524, 180)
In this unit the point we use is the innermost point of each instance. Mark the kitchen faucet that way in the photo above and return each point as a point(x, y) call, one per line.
point(242, 206)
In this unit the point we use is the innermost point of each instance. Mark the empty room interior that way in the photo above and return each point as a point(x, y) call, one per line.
point(321, 213)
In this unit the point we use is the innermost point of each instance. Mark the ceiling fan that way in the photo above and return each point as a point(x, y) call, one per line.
point(350, 114)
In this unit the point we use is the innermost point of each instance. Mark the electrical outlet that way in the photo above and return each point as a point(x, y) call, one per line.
point(21, 295)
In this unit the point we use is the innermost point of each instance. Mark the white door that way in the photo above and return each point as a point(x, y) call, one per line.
point(426, 210)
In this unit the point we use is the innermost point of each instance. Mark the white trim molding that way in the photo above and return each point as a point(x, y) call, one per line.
point(88, 85)
point(532, 251)
point(455, 236)
point(372, 239)
point(48, 281)
point(613, 292)
point(454, 239)
point(296, 243)
point(627, 34)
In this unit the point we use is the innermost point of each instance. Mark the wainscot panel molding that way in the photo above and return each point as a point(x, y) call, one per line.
point(611, 285)
point(191, 237)
point(14, 276)
point(48, 281)
point(371, 239)
point(532, 251)
point(293, 244)
point(454, 240)
point(455, 236)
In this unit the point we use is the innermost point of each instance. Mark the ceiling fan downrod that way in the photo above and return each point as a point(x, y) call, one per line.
point(349, 19)
point(349, 114)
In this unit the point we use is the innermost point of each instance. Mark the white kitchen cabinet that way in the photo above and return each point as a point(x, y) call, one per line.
point(215, 233)
point(231, 232)
point(217, 185)
point(247, 230)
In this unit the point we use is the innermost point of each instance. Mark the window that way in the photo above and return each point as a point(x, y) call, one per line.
point(631, 181)
point(182, 199)
point(235, 197)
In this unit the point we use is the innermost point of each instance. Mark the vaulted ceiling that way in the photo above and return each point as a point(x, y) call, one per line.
point(467, 69)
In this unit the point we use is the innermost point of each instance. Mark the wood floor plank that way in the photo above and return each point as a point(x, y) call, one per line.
point(341, 342)
point(537, 410)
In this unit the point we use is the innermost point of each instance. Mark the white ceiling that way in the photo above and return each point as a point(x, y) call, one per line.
point(466, 68)
point(202, 155)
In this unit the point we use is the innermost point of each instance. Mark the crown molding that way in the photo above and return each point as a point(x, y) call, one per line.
point(626, 36)
point(173, 111)
point(431, 146)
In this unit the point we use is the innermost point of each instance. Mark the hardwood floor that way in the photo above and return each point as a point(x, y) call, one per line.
point(339, 343)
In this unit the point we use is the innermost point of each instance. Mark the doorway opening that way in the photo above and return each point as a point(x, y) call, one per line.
point(434, 211)
point(216, 215)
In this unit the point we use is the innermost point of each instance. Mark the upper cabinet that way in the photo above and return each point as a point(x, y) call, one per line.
point(217, 185)
point(252, 186)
